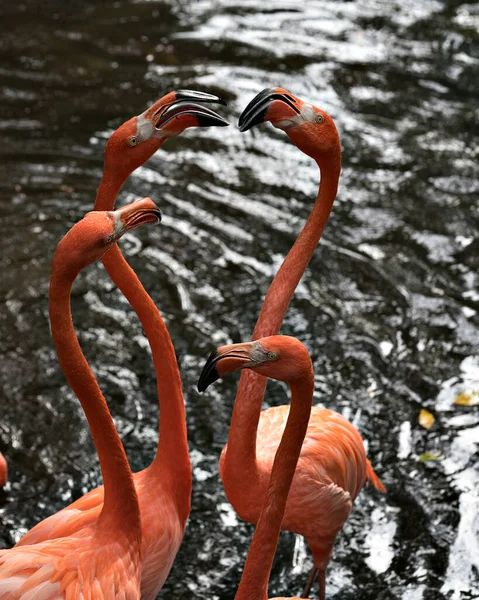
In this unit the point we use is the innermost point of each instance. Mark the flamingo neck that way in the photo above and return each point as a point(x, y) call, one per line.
point(120, 512)
point(254, 581)
point(109, 188)
point(292, 269)
point(171, 465)
point(240, 460)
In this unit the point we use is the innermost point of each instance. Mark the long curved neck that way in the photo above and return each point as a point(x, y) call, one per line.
point(120, 510)
point(254, 581)
point(171, 464)
point(241, 454)
point(108, 190)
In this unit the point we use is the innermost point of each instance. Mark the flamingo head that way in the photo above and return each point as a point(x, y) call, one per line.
point(309, 128)
point(132, 144)
point(96, 233)
point(278, 356)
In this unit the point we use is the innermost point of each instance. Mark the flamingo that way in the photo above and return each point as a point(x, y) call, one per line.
point(164, 487)
point(101, 560)
point(3, 470)
point(254, 434)
point(332, 466)
point(286, 359)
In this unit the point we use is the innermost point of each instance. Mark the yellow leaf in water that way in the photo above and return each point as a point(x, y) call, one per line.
point(426, 419)
point(467, 399)
point(429, 456)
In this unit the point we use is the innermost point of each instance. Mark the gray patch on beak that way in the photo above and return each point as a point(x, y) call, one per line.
point(146, 130)
point(257, 354)
point(307, 113)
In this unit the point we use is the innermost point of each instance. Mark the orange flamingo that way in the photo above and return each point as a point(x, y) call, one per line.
point(101, 560)
point(332, 465)
point(163, 488)
point(3, 470)
point(285, 359)
point(254, 434)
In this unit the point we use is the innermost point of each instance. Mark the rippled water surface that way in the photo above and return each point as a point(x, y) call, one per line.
point(388, 306)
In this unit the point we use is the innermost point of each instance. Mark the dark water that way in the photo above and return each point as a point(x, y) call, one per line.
point(388, 306)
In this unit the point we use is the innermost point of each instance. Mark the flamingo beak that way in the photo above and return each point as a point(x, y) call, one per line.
point(272, 104)
point(224, 359)
point(138, 213)
point(184, 109)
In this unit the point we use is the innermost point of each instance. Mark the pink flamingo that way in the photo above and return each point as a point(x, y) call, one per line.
point(285, 359)
point(163, 488)
point(332, 465)
point(254, 435)
point(102, 559)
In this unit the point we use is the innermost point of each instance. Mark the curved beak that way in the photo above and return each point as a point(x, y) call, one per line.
point(138, 213)
point(183, 108)
point(225, 359)
point(272, 104)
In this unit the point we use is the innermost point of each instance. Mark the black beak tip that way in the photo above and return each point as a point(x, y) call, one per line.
point(244, 126)
point(252, 117)
point(207, 377)
point(257, 109)
point(255, 112)
point(209, 374)
point(201, 387)
point(217, 100)
point(211, 121)
point(199, 96)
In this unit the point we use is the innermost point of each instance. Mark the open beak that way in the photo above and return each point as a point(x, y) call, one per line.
point(138, 213)
point(184, 108)
point(272, 104)
point(224, 359)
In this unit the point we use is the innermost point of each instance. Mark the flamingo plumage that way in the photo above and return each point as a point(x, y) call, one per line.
point(286, 359)
point(332, 465)
point(164, 487)
point(101, 560)
point(322, 486)
point(3, 470)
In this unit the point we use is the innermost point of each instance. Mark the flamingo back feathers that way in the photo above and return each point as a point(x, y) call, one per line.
point(331, 471)
point(162, 528)
point(332, 452)
point(80, 568)
point(66, 522)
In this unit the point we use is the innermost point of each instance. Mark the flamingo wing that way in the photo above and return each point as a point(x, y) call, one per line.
point(332, 451)
point(73, 568)
point(68, 521)
point(163, 530)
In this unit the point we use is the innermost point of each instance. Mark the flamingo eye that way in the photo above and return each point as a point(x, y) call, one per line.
point(319, 118)
point(272, 355)
point(133, 141)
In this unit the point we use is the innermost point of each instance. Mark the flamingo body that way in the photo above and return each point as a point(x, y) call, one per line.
point(63, 569)
point(286, 359)
point(331, 471)
point(163, 529)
